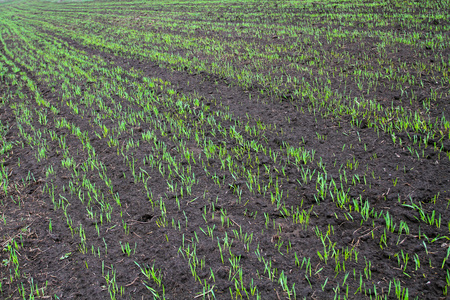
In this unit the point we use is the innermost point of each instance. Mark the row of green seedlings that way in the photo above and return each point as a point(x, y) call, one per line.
point(70, 104)
point(63, 202)
point(188, 250)
point(11, 247)
point(172, 37)
point(402, 229)
point(277, 195)
point(145, 136)
point(125, 247)
point(253, 25)
point(272, 273)
point(69, 163)
point(402, 256)
point(98, 199)
point(329, 252)
point(239, 235)
point(5, 149)
point(111, 282)
point(155, 275)
point(390, 227)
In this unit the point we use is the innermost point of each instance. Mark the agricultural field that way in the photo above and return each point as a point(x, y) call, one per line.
point(224, 149)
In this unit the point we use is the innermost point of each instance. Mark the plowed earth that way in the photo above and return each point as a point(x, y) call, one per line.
point(65, 236)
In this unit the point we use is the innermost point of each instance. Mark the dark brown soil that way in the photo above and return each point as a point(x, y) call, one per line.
point(51, 254)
